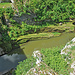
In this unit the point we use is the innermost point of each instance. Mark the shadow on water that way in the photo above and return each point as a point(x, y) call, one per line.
point(10, 58)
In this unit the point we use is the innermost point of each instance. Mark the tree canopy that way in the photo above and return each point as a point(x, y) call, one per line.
point(54, 10)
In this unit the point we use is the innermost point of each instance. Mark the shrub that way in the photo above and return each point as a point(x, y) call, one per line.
point(54, 59)
point(57, 11)
point(73, 48)
point(25, 66)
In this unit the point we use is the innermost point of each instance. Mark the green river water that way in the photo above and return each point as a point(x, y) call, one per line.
point(48, 43)
point(10, 61)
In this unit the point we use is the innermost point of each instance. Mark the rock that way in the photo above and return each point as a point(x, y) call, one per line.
point(73, 40)
point(12, 1)
point(73, 65)
point(25, 18)
point(71, 73)
point(60, 23)
point(65, 51)
point(37, 69)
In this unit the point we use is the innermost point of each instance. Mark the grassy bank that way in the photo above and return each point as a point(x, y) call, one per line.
point(22, 40)
point(52, 58)
point(39, 31)
point(65, 27)
point(5, 5)
point(39, 35)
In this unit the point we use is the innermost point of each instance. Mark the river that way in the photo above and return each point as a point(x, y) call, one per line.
point(11, 61)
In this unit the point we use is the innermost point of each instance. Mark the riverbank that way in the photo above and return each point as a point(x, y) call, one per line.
point(68, 53)
point(43, 33)
point(23, 33)
point(51, 58)
point(29, 32)
point(31, 45)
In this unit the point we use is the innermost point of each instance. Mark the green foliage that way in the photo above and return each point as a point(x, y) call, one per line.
point(5, 5)
point(71, 42)
point(23, 29)
point(73, 48)
point(9, 12)
point(5, 36)
point(54, 59)
point(5, 41)
point(54, 10)
point(25, 66)
point(1, 12)
point(56, 33)
point(12, 21)
point(6, 12)
point(14, 31)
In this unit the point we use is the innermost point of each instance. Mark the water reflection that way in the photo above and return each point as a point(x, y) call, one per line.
point(11, 61)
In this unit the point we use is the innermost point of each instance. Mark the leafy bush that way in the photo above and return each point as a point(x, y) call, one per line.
point(54, 10)
point(9, 12)
point(5, 41)
point(73, 48)
point(23, 29)
point(25, 66)
point(12, 21)
point(5, 36)
point(1, 12)
point(54, 59)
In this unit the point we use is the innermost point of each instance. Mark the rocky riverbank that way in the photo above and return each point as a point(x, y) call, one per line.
point(69, 49)
point(69, 52)
point(66, 50)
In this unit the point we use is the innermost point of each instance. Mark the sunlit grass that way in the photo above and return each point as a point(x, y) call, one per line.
point(5, 5)
point(39, 35)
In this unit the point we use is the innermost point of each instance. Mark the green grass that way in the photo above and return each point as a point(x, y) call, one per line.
point(65, 26)
point(54, 60)
point(39, 35)
point(56, 33)
point(5, 5)
point(73, 48)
